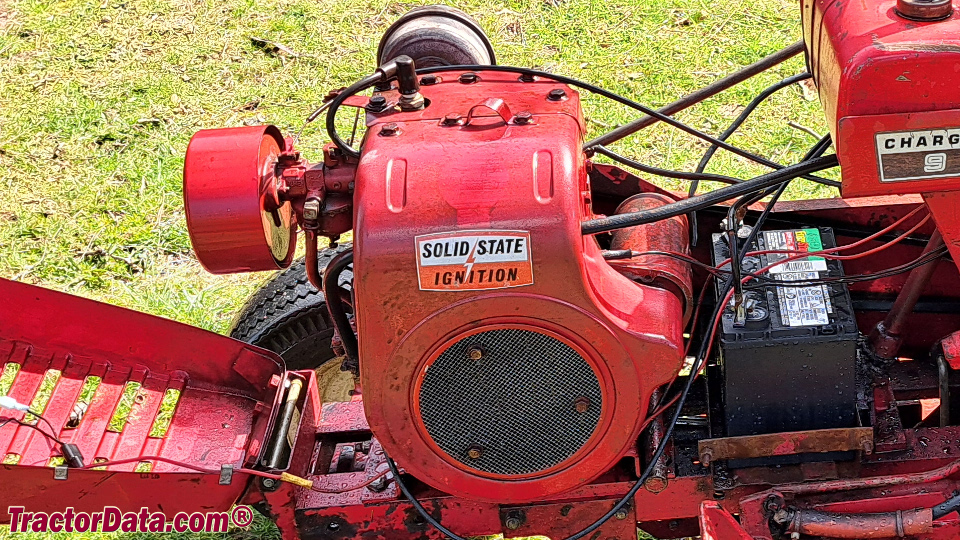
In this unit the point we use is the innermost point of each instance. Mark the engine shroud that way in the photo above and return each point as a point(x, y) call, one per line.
point(501, 357)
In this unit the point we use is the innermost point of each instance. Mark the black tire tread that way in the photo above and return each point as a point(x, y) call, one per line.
point(287, 309)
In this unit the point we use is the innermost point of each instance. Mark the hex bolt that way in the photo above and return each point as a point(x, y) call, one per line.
point(268, 483)
point(621, 514)
point(428, 80)
point(527, 77)
point(475, 352)
point(582, 404)
point(378, 485)
point(706, 457)
point(557, 94)
point(523, 118)
point(514, 519)
point(452, 119)
point(377, 104)
point(389, 130)
point(469, 78)
point(474, 452)
point(311, 209)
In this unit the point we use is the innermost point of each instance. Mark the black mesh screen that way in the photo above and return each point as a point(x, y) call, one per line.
point(510, 401)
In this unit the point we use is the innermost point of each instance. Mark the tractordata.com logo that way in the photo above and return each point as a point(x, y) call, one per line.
point(111, 519)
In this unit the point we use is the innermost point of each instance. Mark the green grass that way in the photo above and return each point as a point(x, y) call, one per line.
point(99, 99)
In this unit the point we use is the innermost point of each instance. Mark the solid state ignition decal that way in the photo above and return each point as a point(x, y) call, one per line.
point(474, 260)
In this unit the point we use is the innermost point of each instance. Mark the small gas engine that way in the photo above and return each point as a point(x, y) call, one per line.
point(523, 338)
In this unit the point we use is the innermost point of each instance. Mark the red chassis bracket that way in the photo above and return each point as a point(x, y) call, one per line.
point(227, 393)
point(717, 524)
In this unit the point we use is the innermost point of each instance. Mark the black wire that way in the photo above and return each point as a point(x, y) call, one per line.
point(685, 206)
point(816, 151)
point(628, 497)
point(735, 125)
point(858, 278)
point(33, 426)
point(950, 505)
point(331, 287)
point(712, 270)
point(52, 430)
point(696, 177)
point(371, 80)
point(335, 103)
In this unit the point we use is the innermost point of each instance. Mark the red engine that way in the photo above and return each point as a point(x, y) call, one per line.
point(501, 357)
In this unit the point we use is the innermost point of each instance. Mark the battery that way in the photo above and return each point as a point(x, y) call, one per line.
point(791, 364)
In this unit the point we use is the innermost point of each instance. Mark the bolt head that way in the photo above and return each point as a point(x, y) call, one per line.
point(582, 404)
point(475, 353)
point(557, 94)
point(523, 118)
point(377, 104)
point(621, 514)
point(512, 523)
point(452, 119)
point(269, 483)
point(311, 209)
point(389, 130)
point(475, 452)
point(526, 77)
point(469, 78)
point(427, 80)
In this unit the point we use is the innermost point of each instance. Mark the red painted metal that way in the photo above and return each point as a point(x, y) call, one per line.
point(528, 177)
point(514, 164)
point(951, 350)
point(227, 390)
point(717, 524)
point(236, 219)
point(877, 71)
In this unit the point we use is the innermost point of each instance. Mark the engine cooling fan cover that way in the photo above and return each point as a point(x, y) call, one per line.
point(509, 401)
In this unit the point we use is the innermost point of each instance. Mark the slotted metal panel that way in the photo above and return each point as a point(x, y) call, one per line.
point(510, 401)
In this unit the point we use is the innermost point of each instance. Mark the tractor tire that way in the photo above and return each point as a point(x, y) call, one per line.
point(289, 317)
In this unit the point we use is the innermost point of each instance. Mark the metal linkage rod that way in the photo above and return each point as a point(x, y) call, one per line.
point(696, 97)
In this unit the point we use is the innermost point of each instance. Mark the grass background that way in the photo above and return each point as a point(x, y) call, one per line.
point(99, 99)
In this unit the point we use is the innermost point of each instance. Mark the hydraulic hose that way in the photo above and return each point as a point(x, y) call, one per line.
point(331, 291)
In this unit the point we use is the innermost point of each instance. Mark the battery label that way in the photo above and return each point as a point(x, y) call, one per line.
point(799, 306)
point(801, 240)
point(804, 306)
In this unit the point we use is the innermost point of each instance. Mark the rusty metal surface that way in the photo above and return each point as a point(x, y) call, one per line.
point(670, 235)
point(861, 526)
point(886, 336)
point(889, 436)
point(788, 443)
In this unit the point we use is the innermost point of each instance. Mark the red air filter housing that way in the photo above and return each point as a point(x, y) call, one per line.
point(501, 357)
